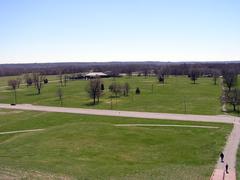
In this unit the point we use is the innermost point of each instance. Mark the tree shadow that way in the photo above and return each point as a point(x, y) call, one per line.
point(32, 94)
point(92, 104)
point(113, 97)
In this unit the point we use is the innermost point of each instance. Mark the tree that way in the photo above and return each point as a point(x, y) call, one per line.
point(145, 72)
point(28, 79)
point(60, 78)
point(45, 81)
point(94, 89)
point(161, 74)
point(102, 87)
point(129, 70)
point(231, 97)
point(29, 82)
point(138, 91)
point(115, 88)
point(38, 79)
point(229, 79)
point(65, 79)
point(19, 80)
point(125, 89)
point(60, 95)
point(193, 75)
point(215, 75)
point(161, 78)
point(13, 84)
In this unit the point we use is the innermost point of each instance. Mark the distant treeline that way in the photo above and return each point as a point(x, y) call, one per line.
point(144, 68)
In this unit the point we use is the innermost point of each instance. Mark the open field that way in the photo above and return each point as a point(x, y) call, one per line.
point(91, 147)
point(200, 98)
point(238, 164)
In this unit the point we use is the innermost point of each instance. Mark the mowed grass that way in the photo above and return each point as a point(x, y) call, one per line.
point(91, 147)
point(238, 164)
point(178, 95)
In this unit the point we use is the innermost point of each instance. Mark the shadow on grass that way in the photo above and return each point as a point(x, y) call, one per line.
point(89, 104)
point(32, 94)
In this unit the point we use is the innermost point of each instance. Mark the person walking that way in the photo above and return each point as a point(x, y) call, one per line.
point(226, 168)
point(222, 157)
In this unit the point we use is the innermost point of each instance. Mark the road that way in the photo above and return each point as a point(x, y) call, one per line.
point(230, 149)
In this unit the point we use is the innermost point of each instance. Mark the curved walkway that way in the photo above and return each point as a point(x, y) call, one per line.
point(230, 149)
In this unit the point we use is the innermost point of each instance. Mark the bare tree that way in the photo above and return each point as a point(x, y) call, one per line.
point(161, 78)
point(13, 84)
point(28, 79)
point(229, 79)
point(126, 89)
point(145, 72)
point(19, 80)
point(65, 79)
point(215, 75)
point(193, 75)
point(231, 97)
point(38, 79)
point(94, 89)
point(161, 74)
point(60, 95)
point(60, 76)
point(115, 88)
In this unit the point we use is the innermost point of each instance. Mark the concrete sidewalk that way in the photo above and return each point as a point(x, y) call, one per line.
point(135, 114)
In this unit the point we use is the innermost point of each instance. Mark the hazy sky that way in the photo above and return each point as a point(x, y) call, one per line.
point(119, 30)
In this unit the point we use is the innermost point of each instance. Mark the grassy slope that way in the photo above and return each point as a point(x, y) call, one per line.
point(201, 98)
point(238, 164)
point(90, 147)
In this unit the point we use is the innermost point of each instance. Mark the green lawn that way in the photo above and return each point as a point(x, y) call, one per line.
point(238, 164)
point(200, 98)
point(91, 147)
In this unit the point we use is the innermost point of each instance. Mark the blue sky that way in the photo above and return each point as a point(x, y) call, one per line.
point(124, 30)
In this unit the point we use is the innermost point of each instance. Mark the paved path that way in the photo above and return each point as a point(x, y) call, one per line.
point(165, 125)
point(230, 153)
point(230, 149)
point(148, 115)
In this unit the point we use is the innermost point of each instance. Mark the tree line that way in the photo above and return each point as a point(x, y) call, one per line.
point(114, 68)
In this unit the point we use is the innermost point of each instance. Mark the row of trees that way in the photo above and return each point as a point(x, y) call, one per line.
point(36, 79)
point(230, 91)
point(193, 74)
point(114, 68)
point(95, 89)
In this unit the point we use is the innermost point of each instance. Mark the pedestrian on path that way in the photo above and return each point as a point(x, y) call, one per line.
point(222, 157)
point(227, 168)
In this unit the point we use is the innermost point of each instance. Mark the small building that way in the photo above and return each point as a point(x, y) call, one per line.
point(96, 74)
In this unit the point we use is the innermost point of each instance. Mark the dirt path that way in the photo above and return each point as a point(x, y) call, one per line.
point(230, 149)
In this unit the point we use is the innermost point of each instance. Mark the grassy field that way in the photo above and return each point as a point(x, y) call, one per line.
point(238, 164)
point(91, 147)
point(200, 98)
